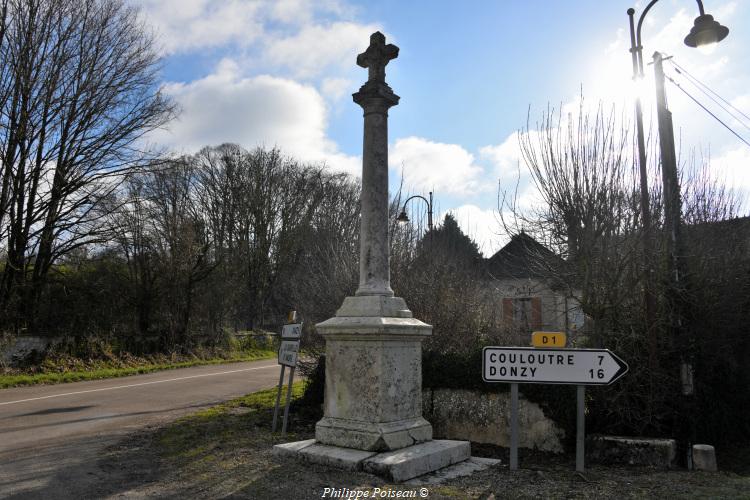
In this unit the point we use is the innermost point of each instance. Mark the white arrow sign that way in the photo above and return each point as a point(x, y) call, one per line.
point(551, 366)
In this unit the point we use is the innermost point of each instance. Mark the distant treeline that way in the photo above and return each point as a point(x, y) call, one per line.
point(225, 239)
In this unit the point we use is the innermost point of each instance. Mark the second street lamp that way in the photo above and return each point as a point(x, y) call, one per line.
point(403, 218)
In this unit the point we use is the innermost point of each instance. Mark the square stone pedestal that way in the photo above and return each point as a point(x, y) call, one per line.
point(372, 415)
point(373, 393)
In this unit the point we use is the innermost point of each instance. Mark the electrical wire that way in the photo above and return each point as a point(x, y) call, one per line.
point(729, 112)
point(701, 86)
point(707, 110)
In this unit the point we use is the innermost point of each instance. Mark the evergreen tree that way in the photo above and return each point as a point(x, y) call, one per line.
point(449, 245)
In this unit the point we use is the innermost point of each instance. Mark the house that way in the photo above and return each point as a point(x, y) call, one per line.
point(528, 278)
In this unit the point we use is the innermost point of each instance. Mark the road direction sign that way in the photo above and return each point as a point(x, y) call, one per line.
point(288, 352)
point(548, 339)
point(551, 366)
point(293, 331)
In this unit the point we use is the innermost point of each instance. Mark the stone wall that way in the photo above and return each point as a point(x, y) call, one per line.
point(485, 418)
point(19, 349)
point(610, 450)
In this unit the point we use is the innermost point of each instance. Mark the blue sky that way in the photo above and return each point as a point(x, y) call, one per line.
point(282, 73)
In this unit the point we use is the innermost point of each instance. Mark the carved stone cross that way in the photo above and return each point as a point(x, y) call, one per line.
point(376, 57)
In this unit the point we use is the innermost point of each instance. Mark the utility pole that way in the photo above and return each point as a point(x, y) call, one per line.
point(671, 194)
point(679, 335)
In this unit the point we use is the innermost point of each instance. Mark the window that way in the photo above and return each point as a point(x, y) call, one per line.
point(523, 313)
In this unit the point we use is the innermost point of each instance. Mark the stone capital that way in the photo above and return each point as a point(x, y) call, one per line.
point(375, 97)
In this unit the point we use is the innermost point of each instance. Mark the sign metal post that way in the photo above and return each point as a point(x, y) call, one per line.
point(580, 427)
point(288, 397)
point(278, 399)
point(513, 426)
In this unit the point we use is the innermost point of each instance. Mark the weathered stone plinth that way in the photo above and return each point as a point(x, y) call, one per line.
point(373, 398)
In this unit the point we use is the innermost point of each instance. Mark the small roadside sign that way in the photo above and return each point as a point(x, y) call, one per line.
point(293, 331)
point(551, 366)
point(548, 339)
point(288, 352)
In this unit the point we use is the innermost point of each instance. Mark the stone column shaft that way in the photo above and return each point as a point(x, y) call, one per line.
point(374, 257)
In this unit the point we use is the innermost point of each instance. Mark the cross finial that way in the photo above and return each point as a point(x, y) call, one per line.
point(376, 57)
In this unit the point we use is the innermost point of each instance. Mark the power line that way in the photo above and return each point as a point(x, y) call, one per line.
point(729, 112)
point(708, 111)
point(701, 86)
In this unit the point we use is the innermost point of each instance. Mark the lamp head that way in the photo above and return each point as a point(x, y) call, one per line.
point(402, 217)
point(705, 31)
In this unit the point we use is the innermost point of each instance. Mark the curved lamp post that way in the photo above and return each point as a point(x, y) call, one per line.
point(403, 218)
point(705, 31)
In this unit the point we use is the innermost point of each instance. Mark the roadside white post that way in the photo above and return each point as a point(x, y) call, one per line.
point(513, 426)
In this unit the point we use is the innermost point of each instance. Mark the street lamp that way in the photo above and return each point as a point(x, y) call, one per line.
point(403, 218)
point(705, 31)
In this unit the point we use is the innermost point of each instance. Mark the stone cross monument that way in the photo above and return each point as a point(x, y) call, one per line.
point(373, 395)
point(372, 416)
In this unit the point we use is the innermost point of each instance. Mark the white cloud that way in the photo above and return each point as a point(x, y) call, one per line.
point(336, 88)
point(315, 48)
point(302, 11)
point(184, 25)
point(480, 225)
point(506, 157)
point(734, 167)
point(262, 110)
point(447, 168)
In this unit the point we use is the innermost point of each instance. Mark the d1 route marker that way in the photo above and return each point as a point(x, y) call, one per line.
point(551, 366)
point(548, 339)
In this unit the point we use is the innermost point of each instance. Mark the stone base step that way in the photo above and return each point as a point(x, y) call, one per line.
point(399, 465)
point(461, 469)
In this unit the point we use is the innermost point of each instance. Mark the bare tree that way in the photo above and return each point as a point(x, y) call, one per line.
point(582, 167)
point(77, 92)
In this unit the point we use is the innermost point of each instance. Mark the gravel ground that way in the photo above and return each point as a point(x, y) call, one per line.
point(226, 453)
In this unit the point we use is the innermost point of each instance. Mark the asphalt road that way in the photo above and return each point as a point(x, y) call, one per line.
point(48, 434)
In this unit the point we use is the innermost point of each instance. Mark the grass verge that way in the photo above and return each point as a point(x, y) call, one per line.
point(199, 436)
point(101, 373)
